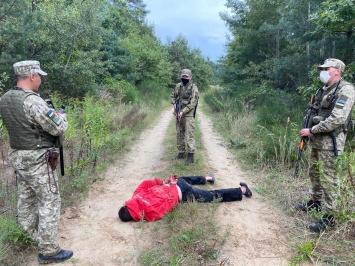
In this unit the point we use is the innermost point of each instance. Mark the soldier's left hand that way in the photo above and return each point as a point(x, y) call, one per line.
point(305, 132)
point(180, 115)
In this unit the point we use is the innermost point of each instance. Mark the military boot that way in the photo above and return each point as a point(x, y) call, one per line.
point(322, 224)
point(181, 155)
point(311, 204)
point(59, 257)
point(189, 159)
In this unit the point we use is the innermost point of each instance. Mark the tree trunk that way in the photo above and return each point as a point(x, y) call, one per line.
point(278, 44)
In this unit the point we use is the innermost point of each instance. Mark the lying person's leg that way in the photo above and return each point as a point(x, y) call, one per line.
point(224, 195)
point(199, 180)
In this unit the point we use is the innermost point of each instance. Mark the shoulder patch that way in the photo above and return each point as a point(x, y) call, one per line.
point(341, 101)
point(54, 117)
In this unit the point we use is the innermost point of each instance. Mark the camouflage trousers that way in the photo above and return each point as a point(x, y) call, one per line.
point(324, 179)
point(186, 134)
point(38, 205)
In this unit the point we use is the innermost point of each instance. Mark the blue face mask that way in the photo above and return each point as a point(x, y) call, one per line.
point(185, 81)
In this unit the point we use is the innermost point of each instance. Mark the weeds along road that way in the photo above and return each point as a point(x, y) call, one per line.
point(97, 237)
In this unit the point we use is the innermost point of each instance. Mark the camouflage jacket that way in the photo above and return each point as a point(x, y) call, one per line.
point(187, 96)
point(36, 110)
point(321, 138)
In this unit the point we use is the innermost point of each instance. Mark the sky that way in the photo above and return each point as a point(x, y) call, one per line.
point(197, 20)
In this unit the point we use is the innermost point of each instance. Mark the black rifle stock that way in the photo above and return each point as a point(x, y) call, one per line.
point(303, 142)
point(61, 153)
point(177, 109)
point(334, 139)
point(61, 157)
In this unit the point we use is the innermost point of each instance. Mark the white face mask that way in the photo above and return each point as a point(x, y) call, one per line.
point(324, 76)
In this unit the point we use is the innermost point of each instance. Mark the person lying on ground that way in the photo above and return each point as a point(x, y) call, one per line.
point(153, 199)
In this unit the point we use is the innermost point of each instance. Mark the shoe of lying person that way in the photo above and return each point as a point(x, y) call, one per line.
point(59, 257)
point(311, 204)
point(213, 179)
point(321, 225)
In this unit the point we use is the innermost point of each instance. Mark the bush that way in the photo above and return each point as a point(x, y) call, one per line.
point(11, 233)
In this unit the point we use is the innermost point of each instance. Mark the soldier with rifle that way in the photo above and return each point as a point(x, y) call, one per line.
point(330, 120)
point(185, 100)
point(34, 129)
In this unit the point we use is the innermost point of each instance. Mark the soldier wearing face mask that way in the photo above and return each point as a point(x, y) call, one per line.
point(185, 99)
point(331, 120)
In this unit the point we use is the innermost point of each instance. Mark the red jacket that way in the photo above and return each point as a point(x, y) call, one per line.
point(152, 200)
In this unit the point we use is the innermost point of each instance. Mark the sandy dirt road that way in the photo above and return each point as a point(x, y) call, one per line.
point(97, 237)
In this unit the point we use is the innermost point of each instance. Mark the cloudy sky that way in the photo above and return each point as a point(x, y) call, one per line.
point(197, 20)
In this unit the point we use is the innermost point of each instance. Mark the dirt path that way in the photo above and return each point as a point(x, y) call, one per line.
point(97, 237)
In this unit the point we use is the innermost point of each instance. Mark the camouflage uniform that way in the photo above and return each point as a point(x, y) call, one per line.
point(38, 201)
point(187, 95)
point(324, 179)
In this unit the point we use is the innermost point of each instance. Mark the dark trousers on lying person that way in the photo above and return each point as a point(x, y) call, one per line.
point(190, 193)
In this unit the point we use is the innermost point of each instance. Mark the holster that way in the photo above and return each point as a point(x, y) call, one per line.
point(53, 158)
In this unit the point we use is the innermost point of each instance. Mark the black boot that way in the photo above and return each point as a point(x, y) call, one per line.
point(189, 159)
point(59, 257)
point(321, 225)
point(181, 155)
point(311, 204)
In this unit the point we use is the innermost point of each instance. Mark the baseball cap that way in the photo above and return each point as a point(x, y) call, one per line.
point(186, 72)
point(25, 68)
point(332, 62)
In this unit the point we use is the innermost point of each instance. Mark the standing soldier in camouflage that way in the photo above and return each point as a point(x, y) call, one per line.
point(331, 117)
point(185, 99)
point(33, 130)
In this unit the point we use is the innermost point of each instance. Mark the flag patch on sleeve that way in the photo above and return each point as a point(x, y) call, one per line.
point(341, 101)
point(54, 117)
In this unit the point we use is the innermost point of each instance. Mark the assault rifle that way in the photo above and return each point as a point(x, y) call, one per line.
point(61, 153)
point(303, 142)
point(177, 109)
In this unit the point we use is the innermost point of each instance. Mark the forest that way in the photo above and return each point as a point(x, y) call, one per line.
point(106, 64)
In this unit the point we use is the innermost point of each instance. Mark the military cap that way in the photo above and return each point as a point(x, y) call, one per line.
point(186, 72)
point(25, 68)
point(332, 62)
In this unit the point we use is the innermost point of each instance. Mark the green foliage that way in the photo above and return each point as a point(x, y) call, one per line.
point(275, 43)
point(96, 121)
point(346, 173)
point(11, 233)
point(153, 91)
point(122, 91)
point(82, 45)
point(336, 16)
point(3, 78)
point(150, 59)
point(215, 104)
point(152, 258)
point(182, 56)
point(277, 145)
point(304, 252)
